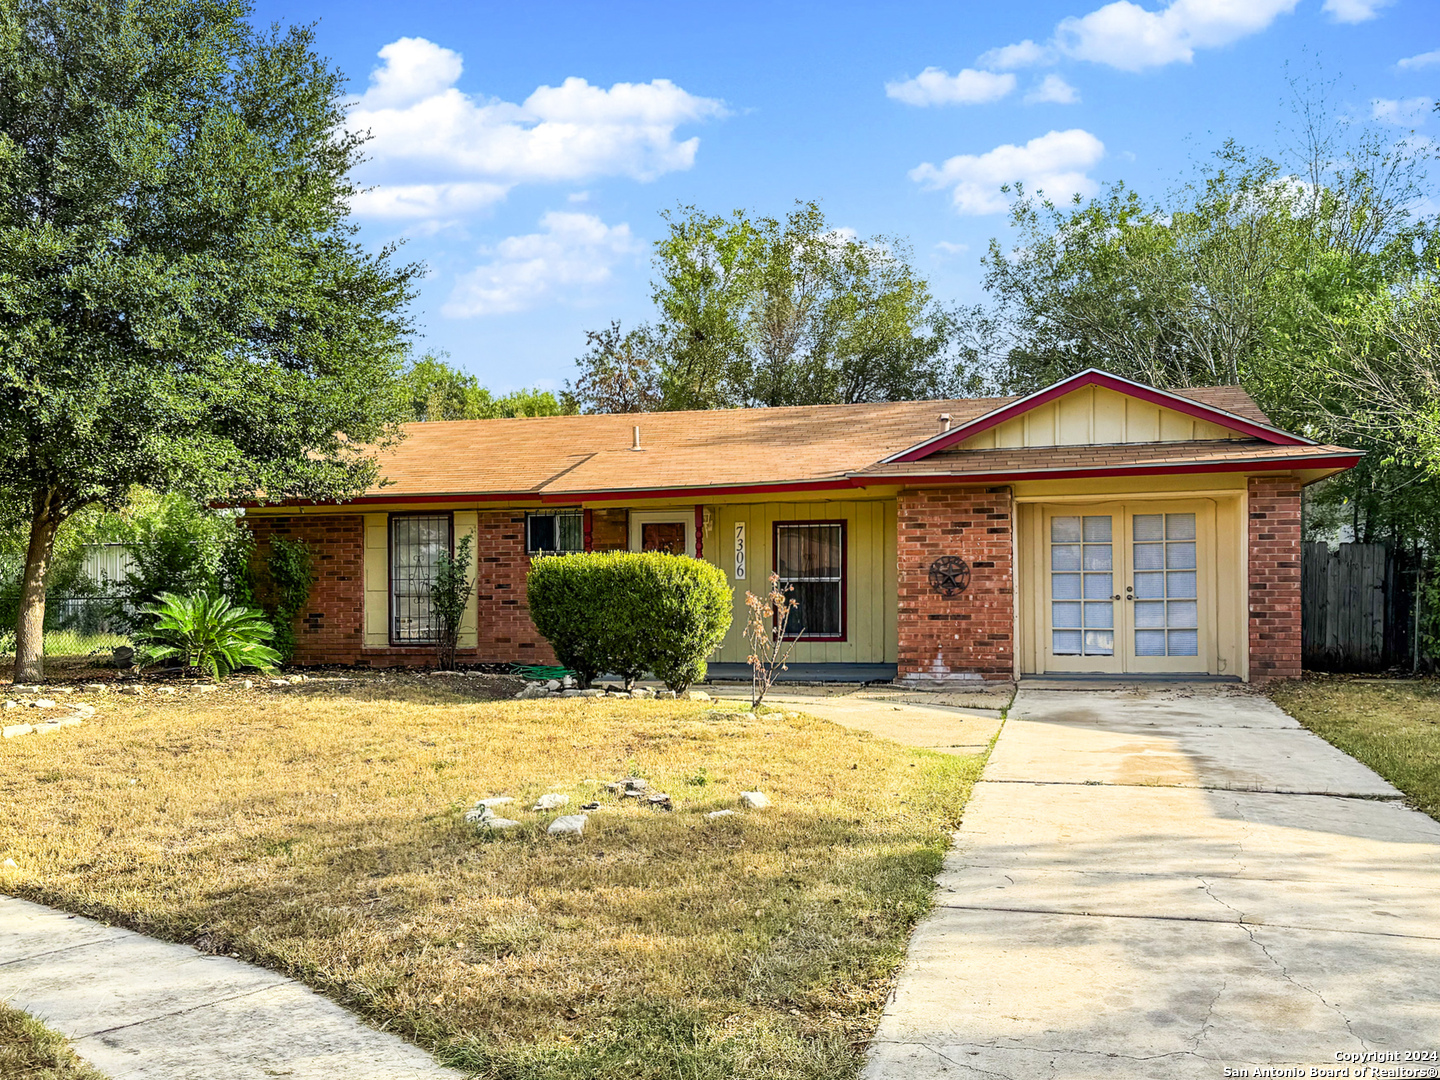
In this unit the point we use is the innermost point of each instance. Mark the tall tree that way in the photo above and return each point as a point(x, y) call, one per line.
point(432, 389)
point(183, 303)
point(759, 311)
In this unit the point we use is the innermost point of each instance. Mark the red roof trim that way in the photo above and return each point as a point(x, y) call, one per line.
point(1092, 377)
point(1332, 461)
point(856, 480)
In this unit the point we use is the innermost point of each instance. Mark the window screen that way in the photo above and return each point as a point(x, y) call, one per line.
point(810, 560)
point(555, 532)
point(416, 544)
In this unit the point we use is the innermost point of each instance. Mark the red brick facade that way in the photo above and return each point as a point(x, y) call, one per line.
point(972, 633)
point(506, 632)
point(331, 628)
point(1274, 586)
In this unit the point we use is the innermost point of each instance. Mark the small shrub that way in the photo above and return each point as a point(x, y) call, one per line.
point(208, 634)
point(292, 575)
point(450, 592)
point(630, 613)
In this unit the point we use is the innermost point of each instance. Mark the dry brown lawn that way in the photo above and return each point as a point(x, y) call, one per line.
point(321, 834)
point(31, 1051)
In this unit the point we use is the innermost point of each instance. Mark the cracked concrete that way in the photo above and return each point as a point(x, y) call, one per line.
point(141, 1009)
point(1160, 883)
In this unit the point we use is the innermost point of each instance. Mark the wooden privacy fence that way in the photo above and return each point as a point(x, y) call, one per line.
point(1357, 607)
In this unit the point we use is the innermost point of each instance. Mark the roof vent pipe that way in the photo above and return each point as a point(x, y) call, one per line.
point(944, 421)
point(637, 445)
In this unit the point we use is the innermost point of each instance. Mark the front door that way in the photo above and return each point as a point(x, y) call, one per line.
point(1125, 588)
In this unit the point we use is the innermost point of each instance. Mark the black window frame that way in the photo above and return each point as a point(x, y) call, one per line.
point(531, 515)
point(844, 581)
point(395, 641)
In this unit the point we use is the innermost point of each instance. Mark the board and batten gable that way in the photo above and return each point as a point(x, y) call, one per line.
point(1097, 416)
point(870, 593)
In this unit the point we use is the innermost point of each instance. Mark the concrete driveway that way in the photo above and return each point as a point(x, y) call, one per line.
point(1165, 882)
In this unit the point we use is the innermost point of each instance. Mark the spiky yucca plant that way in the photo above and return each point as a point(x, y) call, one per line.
point(208, 633)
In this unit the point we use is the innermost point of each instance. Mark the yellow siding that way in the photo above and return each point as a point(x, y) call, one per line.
point(1094, 415)
point(467, 523)
point(870, 617)
point(377, 581)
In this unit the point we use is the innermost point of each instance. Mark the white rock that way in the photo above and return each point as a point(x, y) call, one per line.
point(754, 800)
point(497, 823)
point(567, 825)
point(246, 684)
point(642, 692)
point(10, 705)
point(480, 813)
point(496, 800)
point(94, 687)
point(279, 682)
point(719, 814)
point(82, 709)
point(553, 801)
point(130, 688)
point(568, 683)
point(592, 692)
point(17, 729)
point(25, 688)
point(665, 695)
point(697, 695)
point(10, 863)
point(43, 703)
point(296, 680)
point(530, 691)
point(554, 686)
point(570, 693)
point(205, 688)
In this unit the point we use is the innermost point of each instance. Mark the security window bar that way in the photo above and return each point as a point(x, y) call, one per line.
point(810, 561)
point(1166, 606)
point(1082, 578)
point(555, 532)
point(416, 544)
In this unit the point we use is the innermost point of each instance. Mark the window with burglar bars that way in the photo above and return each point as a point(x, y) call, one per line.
point(554, 532)
point(416, 544)
point(810, 561)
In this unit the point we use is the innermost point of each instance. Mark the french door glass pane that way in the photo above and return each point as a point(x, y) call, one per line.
point(416, 544)
point(1082, 543)
point(1165, 570)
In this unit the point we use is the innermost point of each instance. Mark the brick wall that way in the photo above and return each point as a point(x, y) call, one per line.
point(506, 632)
point(331, 628)
point(1274, 586)
point(971, 634)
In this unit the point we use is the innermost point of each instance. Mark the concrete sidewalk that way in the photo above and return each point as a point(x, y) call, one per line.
point(1164, 882)
point(141, 1009)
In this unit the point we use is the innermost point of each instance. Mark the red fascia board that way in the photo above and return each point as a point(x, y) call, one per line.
point(372, 500)
point(1334, 461)
point(1173, 402)
point(693, 492)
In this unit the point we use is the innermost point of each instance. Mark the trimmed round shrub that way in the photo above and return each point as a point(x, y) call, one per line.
point(629, 613)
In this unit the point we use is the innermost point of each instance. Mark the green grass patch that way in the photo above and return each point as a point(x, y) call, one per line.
point(31, 1051)
point(1391, 726)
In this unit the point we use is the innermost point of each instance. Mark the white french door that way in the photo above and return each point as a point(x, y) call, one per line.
point(1126, 588)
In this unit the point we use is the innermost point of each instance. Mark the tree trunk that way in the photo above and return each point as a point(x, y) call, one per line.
point(45, 519)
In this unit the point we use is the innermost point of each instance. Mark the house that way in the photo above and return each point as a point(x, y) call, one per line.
point(1098, 525)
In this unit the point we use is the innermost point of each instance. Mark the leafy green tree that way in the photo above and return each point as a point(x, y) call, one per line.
point(183, 302)
point(434, 390)
point(759, 311)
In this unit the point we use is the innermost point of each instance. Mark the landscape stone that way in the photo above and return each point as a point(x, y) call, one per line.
point(642, 692)
point(24, 688)
point(570, 693)
point(697, 695)
point(754, 800)
point(10, 864)
point(480, 813)
point(279, 682)
point(81, 709)
point(530, 691)
point(10, 705)
point(17, 729)
point(130, 688)
point(713, 814)
point(246, 684)
point(592, 692)
point(42, 703)
point(94, 687)
point(497, 823)
point(659, 801)
point(552, 801)
point(554, 686)
point(567, 825)
point(205, 688)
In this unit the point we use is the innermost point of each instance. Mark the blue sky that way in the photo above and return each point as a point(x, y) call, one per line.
point(525, 151)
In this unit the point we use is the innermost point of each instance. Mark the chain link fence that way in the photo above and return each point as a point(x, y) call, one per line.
point(83, 630)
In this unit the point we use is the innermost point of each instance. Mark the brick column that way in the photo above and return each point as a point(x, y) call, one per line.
point(969, 636)
point(1274, 585)
point(330, 628)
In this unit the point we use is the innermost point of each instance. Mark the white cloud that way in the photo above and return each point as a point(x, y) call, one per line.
point(1052, 89)
point(1127, 36)
point(428, 201)
point(934, 86)
point(571, 254)
point(1405, 112)
point(1055, 163)
point(429, 134)
point(1354, 11)
point(1424, 60)
point(1022, 54)
point(948, 248)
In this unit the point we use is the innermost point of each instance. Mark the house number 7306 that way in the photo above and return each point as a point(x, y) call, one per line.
point(739, 551)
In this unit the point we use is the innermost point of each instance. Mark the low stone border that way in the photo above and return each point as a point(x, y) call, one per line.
point(52, 719)
point(556, 688)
